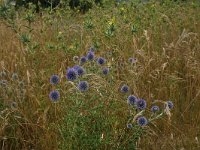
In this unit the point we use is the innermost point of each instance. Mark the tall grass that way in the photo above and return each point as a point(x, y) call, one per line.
point(163, 37)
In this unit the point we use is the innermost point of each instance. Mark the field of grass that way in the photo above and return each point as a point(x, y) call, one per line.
point(164, 38)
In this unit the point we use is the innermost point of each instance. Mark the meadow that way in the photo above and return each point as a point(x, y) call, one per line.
point(150, 51)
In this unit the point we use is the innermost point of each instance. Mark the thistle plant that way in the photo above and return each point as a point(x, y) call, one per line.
point(99, 115)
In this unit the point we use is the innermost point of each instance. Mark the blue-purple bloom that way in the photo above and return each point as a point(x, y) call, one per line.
point(71, 74)
point(124, 89)
point(170, 104)
point(83, 86)
point(90, 55)
point(142, 121)
point(155, 108)
point(54, 96)
point(54, 79)
point(141, 104)
point(132, 100)
point(105, 71)
point(83, 60)
point(80, 71)
point(129, 125)
point(101, 61)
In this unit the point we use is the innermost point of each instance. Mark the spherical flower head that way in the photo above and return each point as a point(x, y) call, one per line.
point(105, 71)
point(54, 79)
point(71, 74)
point(90, 55)
point(141, 104)
point(142, 121)
point(75, 58)
point(14, 76)
point(132, 100)
point(83, 86)
point(101, 61)
point(80, 71)
point(155, 109)
point(170, 104)
point(83, 60)
point(124, 89)
point(132, 60)
point(54, 96)
point(129, 125)
point(3, 83)
point(92, 49)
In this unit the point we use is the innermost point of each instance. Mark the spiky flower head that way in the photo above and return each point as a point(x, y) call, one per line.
point(155, 109)
point(170, 104)
point(14, 76)
point(90, 55)
point(124, 89)
point(101, 61)
point(71, 74)
point(141, 104)
point(142, 121)
point(132, 100)
point(83, 60)
point(75, 58)
point(83, 86)
point(132, 60)
point(105, 71)
point(129, 125)
point(54, 96)
point(80, 70)
point(54, 79)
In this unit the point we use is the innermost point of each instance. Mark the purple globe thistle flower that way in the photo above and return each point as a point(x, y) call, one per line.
point(155, 109)
point(170, 104)
point(71, 74)
point(142, 121)
point(101, 61)
point(83, 60)
point(132, 60)
point(83, 86)
point(54, 79)
point(129, 125)
point(79, 69)
point(54, 96)
point(124, 89)
point(132, 100)
point(141, 104)
point(105, 71)
point(90, 55)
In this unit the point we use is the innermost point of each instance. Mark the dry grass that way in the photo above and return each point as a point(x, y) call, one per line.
point(168, 68)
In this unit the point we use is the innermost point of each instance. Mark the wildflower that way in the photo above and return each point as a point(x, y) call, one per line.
point(13, 105)
point(105, 71)
point(101, 61)
point(3, 83)
point(83, 60)
point(54, 79)
point(124, 89)
point(155, 109)
point(90, 55)
point(75, 58)
point(141, 104)
point(142, 121)
point(80, 71)
point(170, 104)
point(132, 60)
point(54, 96)
point(14, 76)
point(91, 49)
point(83, 86)
point(21, 84)
point(71, 74)
point(3, 74)
point(129, 125)
point(132, 100)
